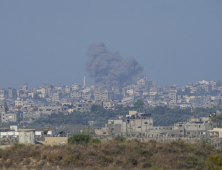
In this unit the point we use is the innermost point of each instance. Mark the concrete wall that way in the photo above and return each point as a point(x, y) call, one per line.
point(56, 140)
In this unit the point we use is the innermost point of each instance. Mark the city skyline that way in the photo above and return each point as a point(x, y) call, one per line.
point(175, 42)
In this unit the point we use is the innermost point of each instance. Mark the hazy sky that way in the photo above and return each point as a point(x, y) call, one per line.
point(45, 41)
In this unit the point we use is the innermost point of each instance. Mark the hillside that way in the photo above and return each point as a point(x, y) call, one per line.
point(162, 116)
point(131, 154)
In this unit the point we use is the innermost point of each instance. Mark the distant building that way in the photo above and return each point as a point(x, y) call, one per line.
point(110, 105)
point(3, 94)
point(9, 117)
point(75, 87)
point(56, 96)
point(135, 123)
point(12, 93)
point(103, 95)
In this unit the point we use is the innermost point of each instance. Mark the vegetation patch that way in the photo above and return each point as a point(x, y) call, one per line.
point(120, 139)
point(132, 154)
point(95, 141)
point(80, 138)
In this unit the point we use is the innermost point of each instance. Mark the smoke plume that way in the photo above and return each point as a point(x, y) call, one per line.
point(109, 68)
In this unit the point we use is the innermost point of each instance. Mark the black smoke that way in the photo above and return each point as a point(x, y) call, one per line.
point(109, 68)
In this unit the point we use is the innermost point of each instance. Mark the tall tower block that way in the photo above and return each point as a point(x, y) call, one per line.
point(84, 82)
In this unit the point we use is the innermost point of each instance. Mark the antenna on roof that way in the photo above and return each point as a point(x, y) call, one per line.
point(60, 133)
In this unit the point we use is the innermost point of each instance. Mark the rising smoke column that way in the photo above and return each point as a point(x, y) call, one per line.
point(109, 68)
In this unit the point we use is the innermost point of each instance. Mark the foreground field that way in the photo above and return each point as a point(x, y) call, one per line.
point(131, 154)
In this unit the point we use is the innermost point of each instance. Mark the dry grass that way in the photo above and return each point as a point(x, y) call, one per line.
point(110, 155)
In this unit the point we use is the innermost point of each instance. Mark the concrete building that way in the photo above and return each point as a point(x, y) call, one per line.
point(103, 95)
point(139, 123)
point(24, 87)
point(173, 97)
point(19, 103)
point(87, 96)
point(210, 104)
point(67, 89)
point(12, 93)
point(134, 124)
point(3, 94)
point(109, 105)
point(48, 110)
point(9, 117)
point(83, 106)
point(195, 127)
point(9, 132)
point(56, 96)
point(27, 136)
point(75, 95)
point(145, 82)
point(40, 133)
point(216, 132)
point(76, 87)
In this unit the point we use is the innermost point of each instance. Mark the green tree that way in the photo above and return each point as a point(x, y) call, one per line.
point(95, 141)
point(216, 120)
point(80, 138)
point(120, 139)
point(214, 162)
point(139, 104)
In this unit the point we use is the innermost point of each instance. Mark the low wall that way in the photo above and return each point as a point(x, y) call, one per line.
point(56, 141)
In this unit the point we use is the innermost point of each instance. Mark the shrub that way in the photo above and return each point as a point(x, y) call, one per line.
point(95, 168)
point(214, 162)
point(95, 141)
point(191, 161)
point(17, 145)
point(120, 139)
point(79, 138)
point(121, 148)
point(1, 153)
point(105, 160)
point(143, 151)
point(135, 140)
point(147, 164)
point(131, 159)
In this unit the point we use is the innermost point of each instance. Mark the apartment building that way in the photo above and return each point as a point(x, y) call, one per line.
point(103, 95)
point(9, 117)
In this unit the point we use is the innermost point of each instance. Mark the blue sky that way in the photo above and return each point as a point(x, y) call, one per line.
point(45, 41)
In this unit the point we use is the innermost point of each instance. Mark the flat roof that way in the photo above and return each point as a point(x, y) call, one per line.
point(24, 130)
